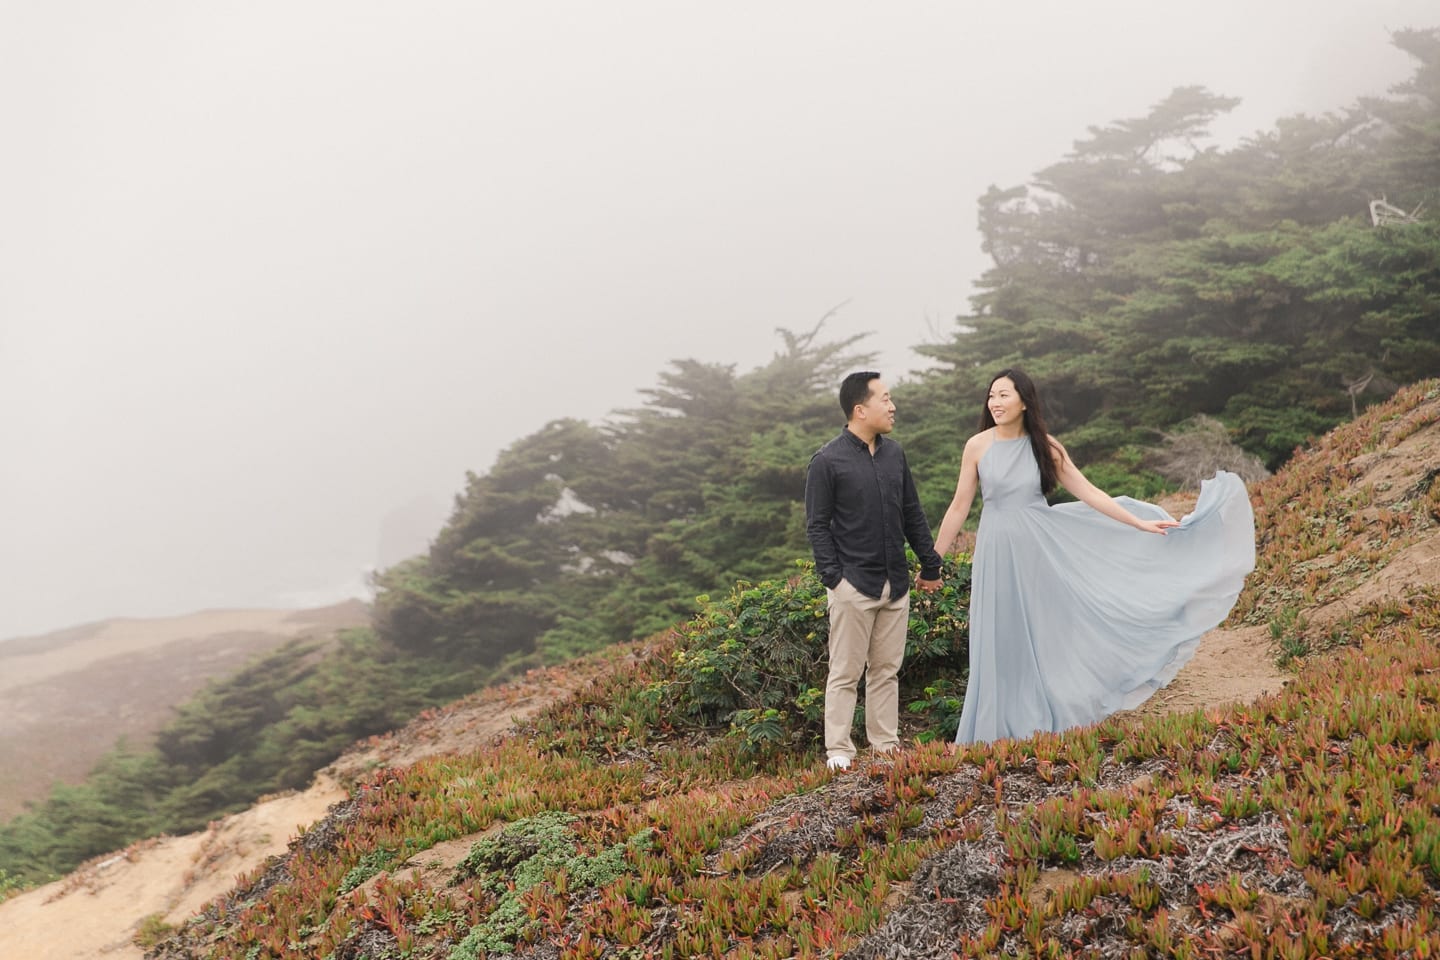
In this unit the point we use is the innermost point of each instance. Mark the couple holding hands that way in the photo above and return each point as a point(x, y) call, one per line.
point(1076, 610)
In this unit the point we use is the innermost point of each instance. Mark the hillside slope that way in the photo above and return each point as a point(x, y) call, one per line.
point(1299, 823)
point(72, 695)
point(98, 909)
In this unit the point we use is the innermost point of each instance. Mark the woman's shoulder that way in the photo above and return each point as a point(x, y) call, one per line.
point(978, 443)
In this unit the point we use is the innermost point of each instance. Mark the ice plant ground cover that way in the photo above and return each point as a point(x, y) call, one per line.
point(1305, 824)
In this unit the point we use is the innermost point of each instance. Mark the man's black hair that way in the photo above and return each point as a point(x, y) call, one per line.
point(855, 390)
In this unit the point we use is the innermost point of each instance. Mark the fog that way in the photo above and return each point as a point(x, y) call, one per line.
point(274, 276)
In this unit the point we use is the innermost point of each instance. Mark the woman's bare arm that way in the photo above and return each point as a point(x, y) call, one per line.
point(1086, 492)
point(965, 488)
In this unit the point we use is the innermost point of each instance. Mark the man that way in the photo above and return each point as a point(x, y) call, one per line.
point(860, 509)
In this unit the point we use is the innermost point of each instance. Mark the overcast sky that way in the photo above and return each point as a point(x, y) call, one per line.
point(271, 273)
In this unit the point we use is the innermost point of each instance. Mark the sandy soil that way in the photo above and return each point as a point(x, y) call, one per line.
point(96, 911)
point(1415, 568)
point(1230, 666)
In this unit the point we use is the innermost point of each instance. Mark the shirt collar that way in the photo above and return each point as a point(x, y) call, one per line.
point(845, 431)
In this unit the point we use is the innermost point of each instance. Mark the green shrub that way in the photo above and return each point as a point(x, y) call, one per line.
point(1126, 473)
point(152, 930)
point(942, 701)
point(370, 864)
point(9, 886)
point(757, 659)
point(524, 855)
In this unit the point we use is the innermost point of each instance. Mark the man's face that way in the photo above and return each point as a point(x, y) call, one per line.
point(878, 412)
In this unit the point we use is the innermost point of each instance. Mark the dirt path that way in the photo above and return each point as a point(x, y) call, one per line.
point(1230, 666)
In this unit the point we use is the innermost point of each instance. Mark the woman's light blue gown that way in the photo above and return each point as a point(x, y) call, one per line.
point(1073, 615)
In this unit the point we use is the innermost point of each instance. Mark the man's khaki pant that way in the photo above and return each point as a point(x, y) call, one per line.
point(866, 636)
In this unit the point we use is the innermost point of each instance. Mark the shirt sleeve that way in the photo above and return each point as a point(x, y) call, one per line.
point(917, 528)
point(819, 509)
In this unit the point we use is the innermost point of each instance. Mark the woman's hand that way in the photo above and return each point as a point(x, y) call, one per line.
point(1156, 526)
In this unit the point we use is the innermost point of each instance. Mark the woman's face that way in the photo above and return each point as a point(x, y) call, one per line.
point(1004, 403)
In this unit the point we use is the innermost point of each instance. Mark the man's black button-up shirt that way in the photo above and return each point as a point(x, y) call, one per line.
point(860, 509)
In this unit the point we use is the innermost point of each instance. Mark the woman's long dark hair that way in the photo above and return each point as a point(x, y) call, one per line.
point(1034, 419)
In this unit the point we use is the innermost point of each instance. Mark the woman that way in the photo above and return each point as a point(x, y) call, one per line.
point(1074, 615)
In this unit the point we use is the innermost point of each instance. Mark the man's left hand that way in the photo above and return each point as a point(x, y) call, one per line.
point(929, 586)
